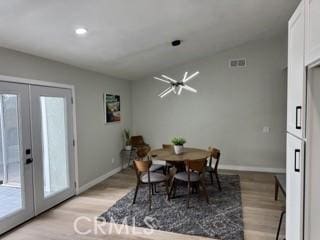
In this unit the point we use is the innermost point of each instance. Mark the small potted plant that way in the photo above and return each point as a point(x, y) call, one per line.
point(126, 137)
point(178, 144)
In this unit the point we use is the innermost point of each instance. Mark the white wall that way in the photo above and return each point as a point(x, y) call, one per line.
point(98, 143)
point(229, 110)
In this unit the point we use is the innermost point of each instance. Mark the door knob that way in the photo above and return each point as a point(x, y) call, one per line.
point(29, 161)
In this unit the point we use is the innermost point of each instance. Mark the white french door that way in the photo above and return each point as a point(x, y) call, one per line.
point(16, 188)
point(36, 148)
point(52, 141)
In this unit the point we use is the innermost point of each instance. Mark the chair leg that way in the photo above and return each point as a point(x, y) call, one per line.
point(204, 190)
point(193, 189)
point(280, 223)
point(155, 188)
point(135, 193)
point(198, 189)
point(171, 188)
point(218, 181)
point(188, 198)
point(167, 190)
point(211, 177)
point(150, 195)
point(174, 190)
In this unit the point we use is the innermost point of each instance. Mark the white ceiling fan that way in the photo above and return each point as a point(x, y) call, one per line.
point(176, 86)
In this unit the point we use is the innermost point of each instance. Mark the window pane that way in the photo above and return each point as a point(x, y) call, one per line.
point(55, 150)
point(12, 138)
point(10, 158)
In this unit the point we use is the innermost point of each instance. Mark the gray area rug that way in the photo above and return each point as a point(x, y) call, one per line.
point(221, 219)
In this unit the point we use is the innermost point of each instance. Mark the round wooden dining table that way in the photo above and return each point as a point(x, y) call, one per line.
point(188, 154)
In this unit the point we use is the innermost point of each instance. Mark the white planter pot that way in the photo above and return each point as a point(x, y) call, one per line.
point(128, 148)
point(178, 149)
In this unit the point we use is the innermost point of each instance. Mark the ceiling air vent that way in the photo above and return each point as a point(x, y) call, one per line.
point(237, 63)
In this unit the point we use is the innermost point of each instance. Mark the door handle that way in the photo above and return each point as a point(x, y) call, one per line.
point(296, 151)
point(29, 161)
point(298, 113)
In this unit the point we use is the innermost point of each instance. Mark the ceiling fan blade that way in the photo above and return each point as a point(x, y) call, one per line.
point(186, 87)
point(167, 92)
point(185, 76)
point(169, 78)
point(180, 90)
point(190, 77)
point(162, 80)
point(164, 91)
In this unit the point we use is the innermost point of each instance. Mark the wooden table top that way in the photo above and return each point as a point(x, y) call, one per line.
point(188, 154)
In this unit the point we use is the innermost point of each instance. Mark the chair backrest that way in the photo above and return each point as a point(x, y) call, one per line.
point(196, 165)
point(137, 141)
point(142, 166)
point(142, 153)
point(167, 146)
point(214, 153)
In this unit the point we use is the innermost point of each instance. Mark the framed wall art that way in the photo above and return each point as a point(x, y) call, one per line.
point(112, 108)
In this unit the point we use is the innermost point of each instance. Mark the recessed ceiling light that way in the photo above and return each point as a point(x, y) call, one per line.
point(81, 31)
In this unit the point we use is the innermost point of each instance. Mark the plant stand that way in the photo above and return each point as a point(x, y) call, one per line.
point(127, 157)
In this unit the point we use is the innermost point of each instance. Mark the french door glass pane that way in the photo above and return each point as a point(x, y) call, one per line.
point(54, 145)
point(10, 156)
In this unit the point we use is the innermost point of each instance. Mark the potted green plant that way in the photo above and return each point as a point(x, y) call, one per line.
point(127, 142)
point(178, 144)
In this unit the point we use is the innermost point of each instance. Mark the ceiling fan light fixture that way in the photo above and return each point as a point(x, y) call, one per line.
point(177, 86)
point(169, 78)
point(190, 89)
point(162, 80)
point(166, 93)
point(190, 77)
point(185, 76)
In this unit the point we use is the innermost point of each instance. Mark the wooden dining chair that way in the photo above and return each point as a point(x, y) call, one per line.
point(214, 154)
point(145, 176)
point(137, 142)
point(142, 154)
point(193, 175)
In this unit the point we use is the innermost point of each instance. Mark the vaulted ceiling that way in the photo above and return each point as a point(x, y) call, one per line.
point(130, 39)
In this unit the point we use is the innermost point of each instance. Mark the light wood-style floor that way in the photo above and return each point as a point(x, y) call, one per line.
point(261, 212)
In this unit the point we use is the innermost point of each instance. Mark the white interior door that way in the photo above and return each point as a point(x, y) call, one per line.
point(294, 190)
point(16, 186)
point(52, 140)
point(296, 74)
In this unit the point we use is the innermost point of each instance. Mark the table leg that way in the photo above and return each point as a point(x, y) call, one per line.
point(280, 223)
point(276, 190)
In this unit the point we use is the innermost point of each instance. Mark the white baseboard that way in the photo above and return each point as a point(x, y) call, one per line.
point(222, 167)
point(98, 180)
point(252, 169)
